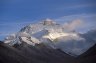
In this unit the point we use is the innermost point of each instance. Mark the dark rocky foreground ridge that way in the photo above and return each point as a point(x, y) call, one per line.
point(25, 53)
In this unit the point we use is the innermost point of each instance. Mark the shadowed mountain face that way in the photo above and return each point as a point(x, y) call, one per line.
point(41, 53)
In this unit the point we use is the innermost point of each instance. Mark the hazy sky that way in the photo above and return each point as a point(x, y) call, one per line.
point(15, 14)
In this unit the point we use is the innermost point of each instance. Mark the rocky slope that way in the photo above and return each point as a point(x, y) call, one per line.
point(25, 53)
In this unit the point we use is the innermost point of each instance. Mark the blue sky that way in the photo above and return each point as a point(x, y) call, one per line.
point(15, 14)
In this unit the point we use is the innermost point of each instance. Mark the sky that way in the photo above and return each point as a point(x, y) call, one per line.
point(15, 14)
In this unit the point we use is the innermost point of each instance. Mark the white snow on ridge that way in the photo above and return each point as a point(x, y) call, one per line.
point(53, 35)
point(33, 41)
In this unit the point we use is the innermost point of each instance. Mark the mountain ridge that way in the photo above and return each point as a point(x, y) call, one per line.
point(53, 35)
point(41, 54)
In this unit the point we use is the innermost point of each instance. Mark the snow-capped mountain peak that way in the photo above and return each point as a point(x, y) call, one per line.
point(48, 22)
point(50, 33)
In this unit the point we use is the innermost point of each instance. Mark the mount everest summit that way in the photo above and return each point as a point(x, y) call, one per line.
point(53, 35)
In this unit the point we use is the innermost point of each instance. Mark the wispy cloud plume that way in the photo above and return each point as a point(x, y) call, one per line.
point(76, 6)
point(75, 16)
point(71, 26)
point(79, 22)
point(82, 6)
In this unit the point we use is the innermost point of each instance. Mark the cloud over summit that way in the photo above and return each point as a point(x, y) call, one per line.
point(71, 26)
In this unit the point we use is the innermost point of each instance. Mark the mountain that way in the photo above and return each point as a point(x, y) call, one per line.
point(90, 35)
point(89, 55)
point(26, 53)
point(53, 36)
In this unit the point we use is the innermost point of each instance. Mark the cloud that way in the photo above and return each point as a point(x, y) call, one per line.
point(76, 16)
point(71, 26)
point(88, 21)
point(15, 23)
point(82, 5)
point(4, 34)
point(76, 6)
